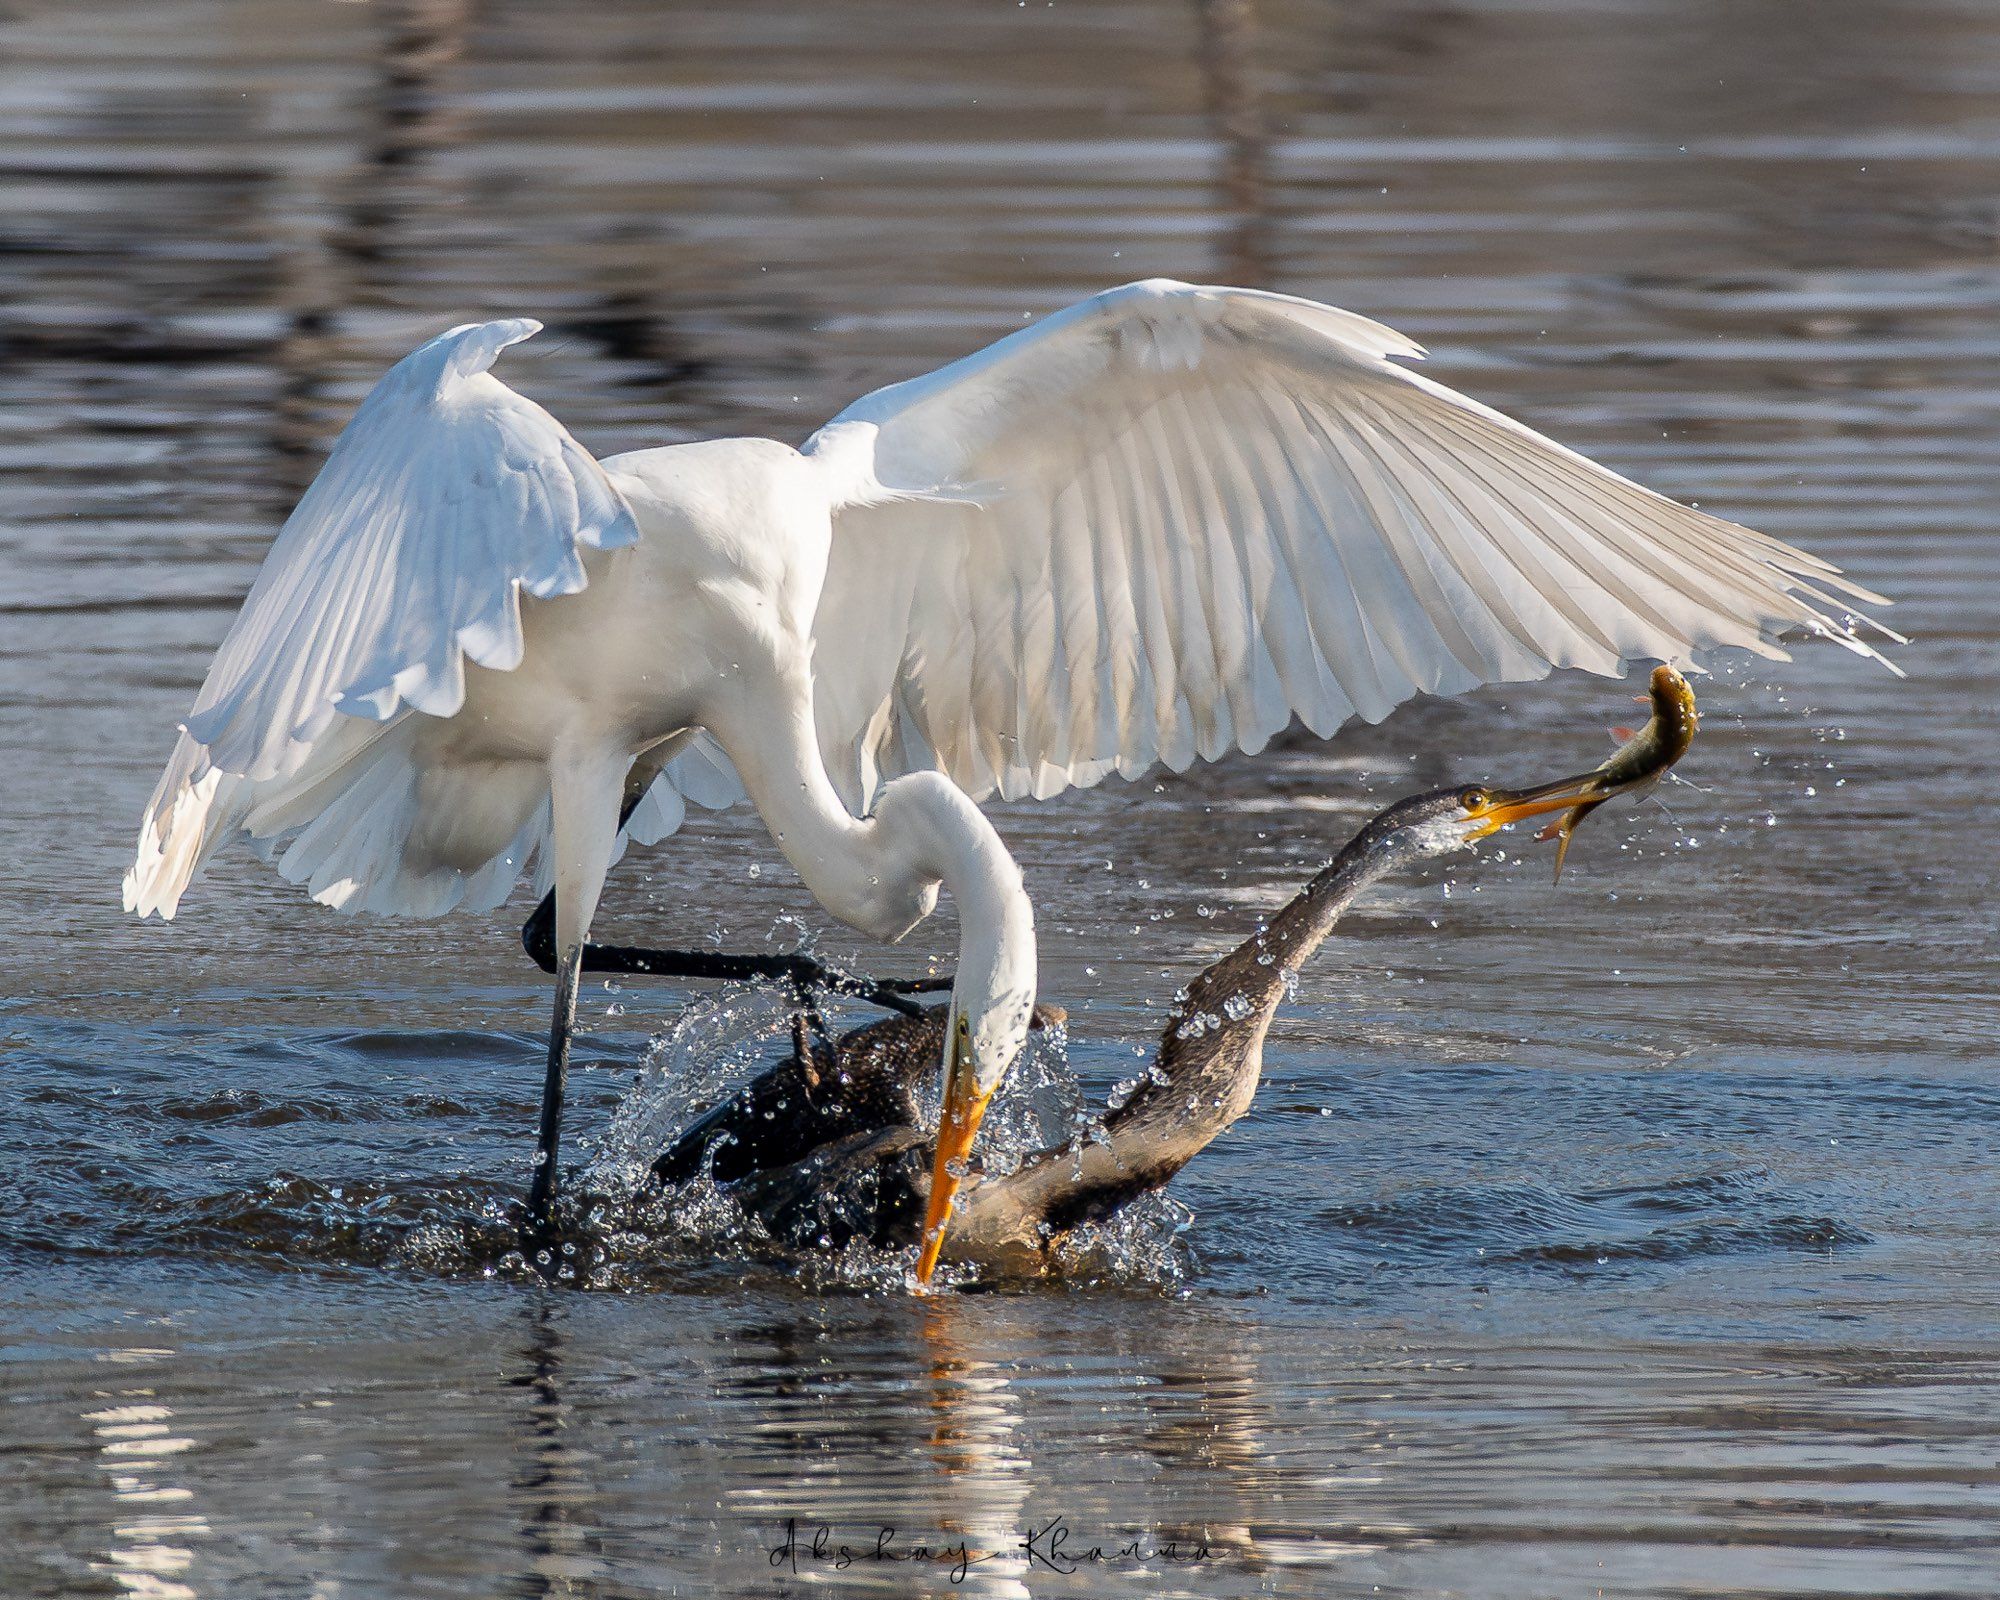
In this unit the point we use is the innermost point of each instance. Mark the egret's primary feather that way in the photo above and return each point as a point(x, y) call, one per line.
point(1160, 524)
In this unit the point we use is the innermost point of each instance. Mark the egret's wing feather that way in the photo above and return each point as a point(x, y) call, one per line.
point(700, 772)
point(445, 497)
point(1164, 522)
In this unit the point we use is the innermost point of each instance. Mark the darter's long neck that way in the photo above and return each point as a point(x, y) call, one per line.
point(1228, 1007)
point(1206, 1073)
point(1301, 927)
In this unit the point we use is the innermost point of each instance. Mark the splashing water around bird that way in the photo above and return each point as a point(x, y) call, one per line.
point(714, 1046)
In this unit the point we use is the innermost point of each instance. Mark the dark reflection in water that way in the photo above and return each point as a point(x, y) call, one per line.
point(1629, 1238)
point(552, 1481)
point(1228, 58)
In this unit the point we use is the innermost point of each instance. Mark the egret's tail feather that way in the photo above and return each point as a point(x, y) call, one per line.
point(194, 808)
point(364, 824)
point(376, 820)
point(389, 833)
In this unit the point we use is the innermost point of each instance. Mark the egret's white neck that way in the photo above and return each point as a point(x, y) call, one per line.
point(929, 821)
point(880, 873)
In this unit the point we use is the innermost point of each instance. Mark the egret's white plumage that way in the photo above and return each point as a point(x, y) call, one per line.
point(1206, 511)
point(1157, 526)
point(1154, 527)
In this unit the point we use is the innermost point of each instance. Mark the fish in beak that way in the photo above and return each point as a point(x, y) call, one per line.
point(1493, 809)
point(1634, 768)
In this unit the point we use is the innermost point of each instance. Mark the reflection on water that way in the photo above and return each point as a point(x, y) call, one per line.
point(147, 1555)
point(552, 1480)
point(978, 1452)
point(1632, 1237)
point(1227, 55)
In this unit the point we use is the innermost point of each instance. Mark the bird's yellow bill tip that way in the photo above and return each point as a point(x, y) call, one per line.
point(1494, 809)
point(964, 1109)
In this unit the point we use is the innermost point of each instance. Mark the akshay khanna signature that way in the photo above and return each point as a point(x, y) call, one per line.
point(818, 1547)
point(1050, 1545)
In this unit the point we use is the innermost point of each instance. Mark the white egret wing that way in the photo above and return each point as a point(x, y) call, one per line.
point(1165, 521)
point(445, 498)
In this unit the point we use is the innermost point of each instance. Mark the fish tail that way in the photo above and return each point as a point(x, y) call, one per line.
point(1562, 851)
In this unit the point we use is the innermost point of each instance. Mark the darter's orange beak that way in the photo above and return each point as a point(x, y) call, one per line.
point(964, 1109)
point(1493, 809)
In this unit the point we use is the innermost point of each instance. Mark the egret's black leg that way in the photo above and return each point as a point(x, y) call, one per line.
point(802, 971)
point(542, 1191)
point(574, 837)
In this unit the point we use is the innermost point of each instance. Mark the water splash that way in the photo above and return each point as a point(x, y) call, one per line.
point(707, 1051)
point(637, 1229)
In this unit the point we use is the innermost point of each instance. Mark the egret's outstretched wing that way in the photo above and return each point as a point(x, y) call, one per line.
point(446, 496)
point(1165, 521)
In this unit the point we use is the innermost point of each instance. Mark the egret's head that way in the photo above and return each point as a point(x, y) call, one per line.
point(992, 1011)
point(931, 833)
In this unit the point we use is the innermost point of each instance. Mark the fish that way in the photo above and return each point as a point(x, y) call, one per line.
point(1641, 761)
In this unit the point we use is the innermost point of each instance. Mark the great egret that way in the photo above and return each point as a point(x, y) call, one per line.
point(1156, 526)
point(823, 1146)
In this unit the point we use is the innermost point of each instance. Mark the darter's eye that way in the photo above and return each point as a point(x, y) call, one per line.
point(1473, 799)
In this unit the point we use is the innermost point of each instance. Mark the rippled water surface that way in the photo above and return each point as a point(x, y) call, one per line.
point(1634, 1237)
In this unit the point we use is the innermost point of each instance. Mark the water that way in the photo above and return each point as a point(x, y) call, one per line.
point(1631, 1237)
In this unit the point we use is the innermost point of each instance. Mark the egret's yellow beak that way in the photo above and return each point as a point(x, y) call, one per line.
point(964, 1108)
